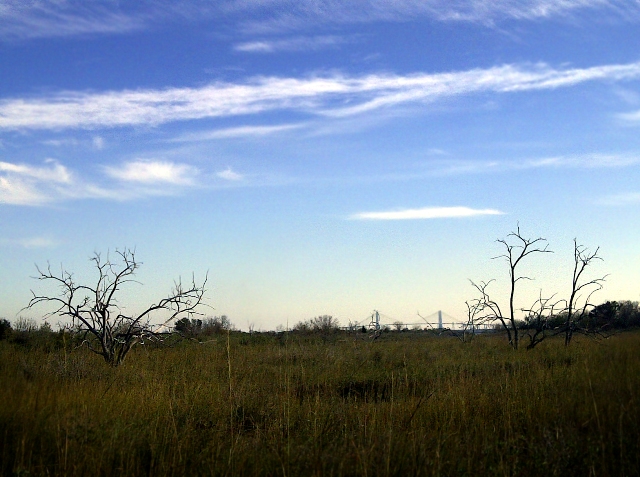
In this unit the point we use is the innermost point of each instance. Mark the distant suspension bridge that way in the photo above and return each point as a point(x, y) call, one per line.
point(438, 320)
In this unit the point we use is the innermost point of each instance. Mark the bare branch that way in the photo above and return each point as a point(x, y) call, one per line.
point(537, 319)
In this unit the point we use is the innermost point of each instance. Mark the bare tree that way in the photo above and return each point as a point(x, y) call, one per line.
point(578, 307)
point(517, 248)
point(96, 315)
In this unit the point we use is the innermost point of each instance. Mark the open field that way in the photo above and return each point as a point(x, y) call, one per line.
point(339, 404)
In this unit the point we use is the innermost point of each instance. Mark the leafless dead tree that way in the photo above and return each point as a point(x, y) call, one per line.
point(96, 315)
point(577, 313)
point(517, 248)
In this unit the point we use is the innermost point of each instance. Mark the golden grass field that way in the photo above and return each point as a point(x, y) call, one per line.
point(340, 404)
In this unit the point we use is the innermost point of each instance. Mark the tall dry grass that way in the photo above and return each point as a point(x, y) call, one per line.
point(407, 404)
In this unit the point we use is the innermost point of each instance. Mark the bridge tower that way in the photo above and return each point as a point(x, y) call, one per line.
point(375, 320)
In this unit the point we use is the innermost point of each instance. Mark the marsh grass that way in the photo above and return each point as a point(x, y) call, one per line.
point(407, 404)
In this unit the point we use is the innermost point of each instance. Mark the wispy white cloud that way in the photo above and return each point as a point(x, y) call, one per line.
point(300, 43)
point(95, 142)
point(98, 142)
point(18, 191)
point(30, 242)
point(61, 142)
point(37, 242)
point(330, 96)
point(630, 118)
point(52, 182)
point(483, 11)
point(22, 184)
point(425, 213)
point(584, 161)
point(295, 14)
point(236, 132)
point(230, 175)
point(55, 172)
point(448, 166)
point(619, 200)
point(24, 19)
point(628, 96)
point(436, 151)
point(581, 161)
point(154, 172)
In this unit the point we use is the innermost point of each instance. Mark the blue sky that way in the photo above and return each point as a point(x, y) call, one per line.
point(319, 157)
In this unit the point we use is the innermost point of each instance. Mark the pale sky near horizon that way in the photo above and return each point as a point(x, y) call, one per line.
point(319, 156)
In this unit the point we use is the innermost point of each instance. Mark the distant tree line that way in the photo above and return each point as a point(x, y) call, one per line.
point(26, 332)
point(611, 315)
point(196, 328)
point(617, 315)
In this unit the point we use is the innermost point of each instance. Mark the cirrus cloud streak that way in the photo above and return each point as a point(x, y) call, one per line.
point(28, 185)
point(22, 184)
point(329, 96)
point(290, 44)
point(425, 213)
point(29, 19)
